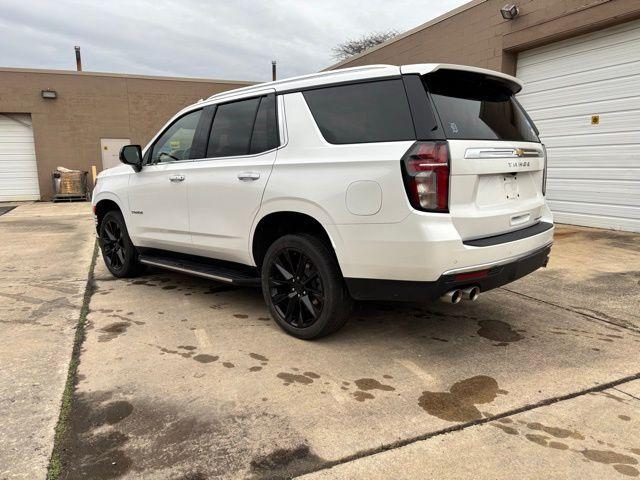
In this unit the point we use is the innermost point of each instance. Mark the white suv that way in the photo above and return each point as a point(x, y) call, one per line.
point(372, 183)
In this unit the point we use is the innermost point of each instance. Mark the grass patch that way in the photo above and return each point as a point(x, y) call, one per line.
point(55, 462)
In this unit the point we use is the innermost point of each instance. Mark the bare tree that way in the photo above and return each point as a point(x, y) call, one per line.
point(353, 47)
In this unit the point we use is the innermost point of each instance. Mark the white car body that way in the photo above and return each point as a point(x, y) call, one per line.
point(355, 191)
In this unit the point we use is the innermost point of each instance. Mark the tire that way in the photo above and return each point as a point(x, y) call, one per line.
point(119, 254)
point(303, 287)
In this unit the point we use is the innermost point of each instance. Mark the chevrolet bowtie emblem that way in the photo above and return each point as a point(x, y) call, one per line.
point(519, 152)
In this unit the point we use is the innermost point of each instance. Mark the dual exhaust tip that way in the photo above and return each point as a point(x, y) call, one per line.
point(457, 295)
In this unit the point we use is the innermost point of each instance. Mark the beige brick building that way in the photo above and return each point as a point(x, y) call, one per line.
point(89, 112)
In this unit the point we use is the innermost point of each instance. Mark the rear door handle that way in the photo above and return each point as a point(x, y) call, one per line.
point(176, 178)
point(248, 176)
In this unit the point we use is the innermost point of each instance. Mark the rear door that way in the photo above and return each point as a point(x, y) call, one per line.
point(496, 159)
point(226, 187)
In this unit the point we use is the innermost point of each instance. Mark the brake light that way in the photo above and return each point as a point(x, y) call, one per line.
point(544, 171)
point(425, 167)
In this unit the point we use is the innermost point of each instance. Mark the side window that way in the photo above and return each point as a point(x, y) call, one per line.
point(175, 143)
point(265, 129)
point(362, 113)
point(232, 127)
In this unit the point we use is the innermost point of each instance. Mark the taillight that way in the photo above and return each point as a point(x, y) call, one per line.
point(425, 167)
point(544, 171)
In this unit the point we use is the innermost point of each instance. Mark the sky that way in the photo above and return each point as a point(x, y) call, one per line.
point(232, 40)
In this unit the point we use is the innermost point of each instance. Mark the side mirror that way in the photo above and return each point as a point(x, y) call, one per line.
point(132, 155)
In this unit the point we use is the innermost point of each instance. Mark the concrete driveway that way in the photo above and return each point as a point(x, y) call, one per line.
point(44, 261)
point(181, 378)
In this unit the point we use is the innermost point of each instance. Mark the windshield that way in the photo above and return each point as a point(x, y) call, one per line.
point(474, 106)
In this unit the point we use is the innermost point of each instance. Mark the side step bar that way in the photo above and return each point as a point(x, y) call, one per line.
point(227, 272)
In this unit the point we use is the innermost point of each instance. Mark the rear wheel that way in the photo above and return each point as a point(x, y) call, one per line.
point(119, 254)
point(303, 287)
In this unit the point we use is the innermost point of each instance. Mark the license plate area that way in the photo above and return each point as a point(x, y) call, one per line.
point(510, 185)
point(500, 190)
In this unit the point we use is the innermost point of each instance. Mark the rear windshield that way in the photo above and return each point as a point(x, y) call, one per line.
point(474, 106)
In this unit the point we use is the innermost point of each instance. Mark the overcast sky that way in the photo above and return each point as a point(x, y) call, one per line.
point(232, 39)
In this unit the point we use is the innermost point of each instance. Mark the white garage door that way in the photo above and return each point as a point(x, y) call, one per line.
point(18, 171)
point(584, 96)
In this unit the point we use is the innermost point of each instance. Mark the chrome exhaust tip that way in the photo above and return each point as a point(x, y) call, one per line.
point(452, 296)
point(471, 293)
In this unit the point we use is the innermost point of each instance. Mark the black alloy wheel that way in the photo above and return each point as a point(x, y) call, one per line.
point(295, 287)
point(113, 248)
point(119, 254)
point(303, 286)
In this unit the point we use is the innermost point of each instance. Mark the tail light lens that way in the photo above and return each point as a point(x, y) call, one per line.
point(425, 167)
point(544, 171)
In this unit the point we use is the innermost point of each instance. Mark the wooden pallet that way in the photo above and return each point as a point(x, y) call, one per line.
point(71, 198)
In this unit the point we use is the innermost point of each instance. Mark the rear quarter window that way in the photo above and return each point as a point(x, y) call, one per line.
point(362, 113)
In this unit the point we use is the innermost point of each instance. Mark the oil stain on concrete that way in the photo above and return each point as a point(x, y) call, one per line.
point(498, 331)
point(555, 431)
point(112, 331)
point(204, 358)
point(622, 463)
point(459, 403)
point(285, 463)
point(290, 378)
point(91, 450)
point(257, 356)
point(112, 436)
point(365, 385)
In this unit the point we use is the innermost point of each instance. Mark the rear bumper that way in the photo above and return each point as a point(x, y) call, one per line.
point(416, 291)
point(424, 247)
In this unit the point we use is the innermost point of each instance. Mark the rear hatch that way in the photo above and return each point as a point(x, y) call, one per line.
point(496, 161)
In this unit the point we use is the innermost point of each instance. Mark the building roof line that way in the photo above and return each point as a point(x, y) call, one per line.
point(408, 33)
point(121, 75)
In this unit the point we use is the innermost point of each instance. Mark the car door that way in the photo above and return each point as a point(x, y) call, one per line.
point(158, 193)
point(226, 187)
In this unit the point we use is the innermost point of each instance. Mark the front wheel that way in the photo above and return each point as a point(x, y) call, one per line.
point(303, 287)
point(119, 253)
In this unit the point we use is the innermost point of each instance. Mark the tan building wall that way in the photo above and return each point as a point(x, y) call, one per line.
point(476, 34)
point(91, 106)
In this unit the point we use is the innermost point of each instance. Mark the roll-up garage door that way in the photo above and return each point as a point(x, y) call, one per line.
point(584, 96)
point(18, 170)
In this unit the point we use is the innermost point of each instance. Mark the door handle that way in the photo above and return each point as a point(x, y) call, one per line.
point(248, 176)
point(176, 178)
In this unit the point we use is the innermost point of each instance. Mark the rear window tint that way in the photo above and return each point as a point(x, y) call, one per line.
point(474, 106)
point(265, 128)
point(232, 127)
point(362, 113)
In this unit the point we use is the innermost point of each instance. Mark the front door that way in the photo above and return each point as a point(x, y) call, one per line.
point(226, 187)
point(158, 193)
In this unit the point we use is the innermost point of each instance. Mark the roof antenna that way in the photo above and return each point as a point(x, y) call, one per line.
point(273, 70)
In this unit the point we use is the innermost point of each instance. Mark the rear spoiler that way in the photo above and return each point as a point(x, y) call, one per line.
point(425, 68)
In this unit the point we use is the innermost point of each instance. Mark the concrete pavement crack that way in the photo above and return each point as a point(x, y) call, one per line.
point(569, 309)
point(55, 467)
point(626, 393)
point(464, 426)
